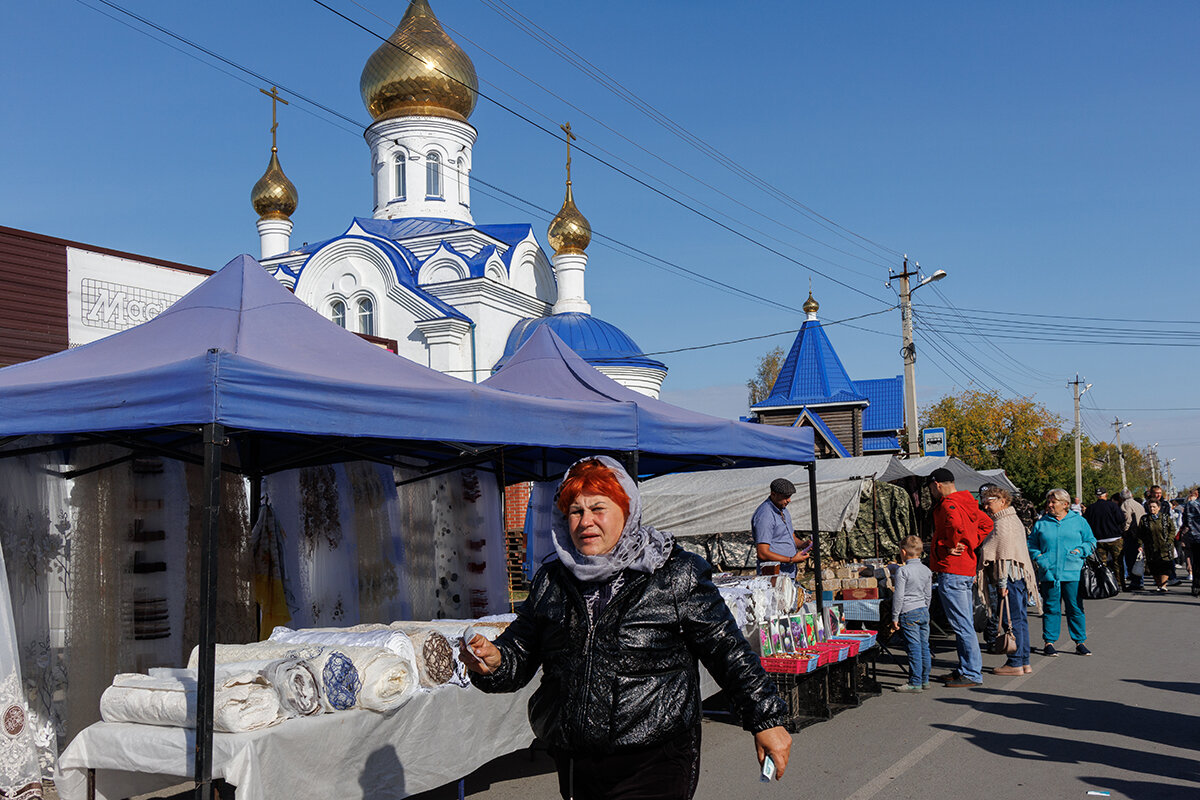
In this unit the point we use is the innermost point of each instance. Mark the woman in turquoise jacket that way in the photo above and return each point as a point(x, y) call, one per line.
point(1058, 544)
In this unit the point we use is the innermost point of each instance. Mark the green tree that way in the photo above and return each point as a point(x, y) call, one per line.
point(1018, 435)
point(765, 374)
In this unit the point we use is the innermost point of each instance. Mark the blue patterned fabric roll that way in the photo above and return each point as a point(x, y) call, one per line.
point(340, 680)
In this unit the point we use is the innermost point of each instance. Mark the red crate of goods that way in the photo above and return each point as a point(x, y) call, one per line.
point(798, 664)
point(854, 644)
point(831, 652)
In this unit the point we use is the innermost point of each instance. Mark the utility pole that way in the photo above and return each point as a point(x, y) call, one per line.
point(1153, 458)
point(1078, 459)
point(909, 350)
point(1120, 454)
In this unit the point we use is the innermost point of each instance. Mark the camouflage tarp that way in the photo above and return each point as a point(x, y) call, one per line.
point(884, 509)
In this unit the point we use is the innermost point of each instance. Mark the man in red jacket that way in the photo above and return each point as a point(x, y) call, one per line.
point(959, 528)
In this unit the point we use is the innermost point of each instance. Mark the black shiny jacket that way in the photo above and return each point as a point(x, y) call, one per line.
point(632, 679)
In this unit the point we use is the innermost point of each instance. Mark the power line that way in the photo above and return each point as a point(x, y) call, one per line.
point(614, 167)
point(632, 142)
point(663, 263)
point(555, 45)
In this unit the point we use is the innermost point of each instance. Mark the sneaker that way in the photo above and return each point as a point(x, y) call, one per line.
point(1049, 651)
point(908, 688)
point(1163, 589)
point(1007, 670)
point(925, 685)
point(1081, 649)
point(963, 683)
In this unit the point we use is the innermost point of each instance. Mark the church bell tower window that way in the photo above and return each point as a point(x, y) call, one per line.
point(366, 316)
point(400, 182)
point(433, 176)
point(337, 313)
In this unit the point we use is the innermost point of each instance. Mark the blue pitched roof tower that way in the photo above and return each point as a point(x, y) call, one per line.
point(813, 388)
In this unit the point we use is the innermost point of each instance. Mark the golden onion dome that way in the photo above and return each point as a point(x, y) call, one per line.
point(419, 71)
point(274, 196)
point(569, 231)
point(811, 306)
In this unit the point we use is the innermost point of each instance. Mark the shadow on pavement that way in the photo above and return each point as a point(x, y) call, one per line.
point(1064, 750)
point(1167, 686)
point(1089, 714)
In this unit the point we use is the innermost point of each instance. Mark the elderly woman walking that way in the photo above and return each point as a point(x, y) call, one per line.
point(1157, 533)
point(1007, 571)
point(617, 624)
point(1058, 544)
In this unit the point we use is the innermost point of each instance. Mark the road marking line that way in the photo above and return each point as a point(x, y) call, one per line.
point(1117, 610)
point(881, 781)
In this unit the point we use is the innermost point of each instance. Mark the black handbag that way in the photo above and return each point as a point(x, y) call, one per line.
point(1005, 642)
point(1099, 582)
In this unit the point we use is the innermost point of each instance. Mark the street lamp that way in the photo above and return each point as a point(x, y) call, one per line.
point(909, 350)
point(1120, 455)
point(1078, 460)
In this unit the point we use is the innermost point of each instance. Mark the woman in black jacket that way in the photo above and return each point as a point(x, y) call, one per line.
point(617, 624)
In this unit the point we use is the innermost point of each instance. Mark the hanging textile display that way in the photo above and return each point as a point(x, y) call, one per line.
point(267, 546)
point(34, 533)
point(378, 577)
point(27, 541)
point(236, 617)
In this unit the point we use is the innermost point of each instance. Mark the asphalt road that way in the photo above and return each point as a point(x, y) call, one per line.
point(1124, 721)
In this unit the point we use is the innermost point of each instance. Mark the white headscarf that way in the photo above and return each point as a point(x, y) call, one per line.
point(640, 547)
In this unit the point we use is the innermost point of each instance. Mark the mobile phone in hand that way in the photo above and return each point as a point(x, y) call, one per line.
point(768, 770)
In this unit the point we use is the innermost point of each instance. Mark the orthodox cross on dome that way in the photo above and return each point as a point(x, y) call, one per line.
point(275, 98)
point(566, 128)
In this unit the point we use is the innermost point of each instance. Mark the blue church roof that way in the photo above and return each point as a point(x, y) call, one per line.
point(812, 373)
point(818, 423)
point(597, 341)
point(886, 412)
point(872, 444)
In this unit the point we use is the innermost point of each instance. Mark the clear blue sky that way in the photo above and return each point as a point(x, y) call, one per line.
point(1044, 154)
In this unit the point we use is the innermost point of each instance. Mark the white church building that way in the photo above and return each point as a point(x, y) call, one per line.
point(420, 275)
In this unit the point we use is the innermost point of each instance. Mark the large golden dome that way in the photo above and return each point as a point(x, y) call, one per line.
point(419, 71)
point(274, 196)
point(569, 231)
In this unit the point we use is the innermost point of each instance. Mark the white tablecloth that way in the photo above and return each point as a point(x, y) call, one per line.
point(434, 739)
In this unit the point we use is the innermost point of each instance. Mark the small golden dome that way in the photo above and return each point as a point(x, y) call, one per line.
point(811, 306)
point(569, 231)
point(274, 196)
point(419, 71)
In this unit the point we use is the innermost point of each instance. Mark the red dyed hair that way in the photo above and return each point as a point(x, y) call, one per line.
point(591, 477)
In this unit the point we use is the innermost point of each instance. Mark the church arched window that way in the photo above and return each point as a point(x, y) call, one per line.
point(433, 175)
point(462, 180)
point(337, 313)
point(399, 176)
point(366, 316)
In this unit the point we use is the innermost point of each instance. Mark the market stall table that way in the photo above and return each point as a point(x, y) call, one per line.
point(434, 739)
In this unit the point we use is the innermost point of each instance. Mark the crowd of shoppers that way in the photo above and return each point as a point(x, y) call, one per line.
point(983, 555)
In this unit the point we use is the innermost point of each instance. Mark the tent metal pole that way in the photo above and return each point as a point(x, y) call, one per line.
point(631, 464)
point(816, 537)
point(210, 526)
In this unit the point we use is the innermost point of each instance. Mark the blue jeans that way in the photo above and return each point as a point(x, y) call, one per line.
point(1072, 603)
point(915, 627)
point(958, 601)
point(1018, 596)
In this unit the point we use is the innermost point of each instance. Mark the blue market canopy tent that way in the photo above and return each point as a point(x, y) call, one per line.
point(669, 438)
point(240, 361)
point(241, 351)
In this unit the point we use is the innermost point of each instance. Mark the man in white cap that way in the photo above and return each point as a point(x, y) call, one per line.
point(778, 547)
